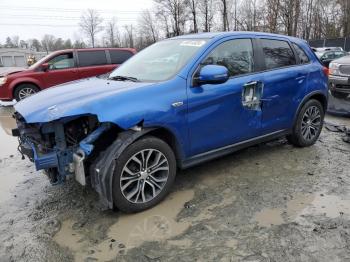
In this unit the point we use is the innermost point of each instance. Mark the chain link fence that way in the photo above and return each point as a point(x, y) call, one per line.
point(334, 42)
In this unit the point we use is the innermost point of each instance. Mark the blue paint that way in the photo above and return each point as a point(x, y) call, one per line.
point(86, 144)
point(211, 116)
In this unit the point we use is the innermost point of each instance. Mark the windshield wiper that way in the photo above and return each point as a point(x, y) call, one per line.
point(124, 78)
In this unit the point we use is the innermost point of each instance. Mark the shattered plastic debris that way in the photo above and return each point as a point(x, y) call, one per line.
point(340, 129)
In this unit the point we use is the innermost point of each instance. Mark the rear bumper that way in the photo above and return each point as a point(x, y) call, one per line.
point(339, 84)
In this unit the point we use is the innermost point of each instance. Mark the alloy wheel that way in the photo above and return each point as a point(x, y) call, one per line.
point(144, 176)
point(25, 92)
point(311, 123)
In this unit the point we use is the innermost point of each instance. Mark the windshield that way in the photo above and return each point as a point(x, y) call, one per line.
point(160, 61)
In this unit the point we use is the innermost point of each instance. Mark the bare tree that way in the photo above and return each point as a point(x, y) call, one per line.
point(113, 35)
point(148, 26)
point(192, 4)
point(207, 12)
point(48, 43)
point(15, 40)
point(129, 36)
point(177, 10)
point(224, 14)
point(273, 13)
point(91, 24)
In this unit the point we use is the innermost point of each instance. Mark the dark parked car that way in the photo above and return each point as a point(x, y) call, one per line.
point(60, 67)
point(339, 77)
point(328, 56)
point(177, 103)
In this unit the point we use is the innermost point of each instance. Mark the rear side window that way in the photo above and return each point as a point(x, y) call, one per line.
point(119, 56)
point(236, 55)
point(277, 53)
point(92, 58)
point(304, 59)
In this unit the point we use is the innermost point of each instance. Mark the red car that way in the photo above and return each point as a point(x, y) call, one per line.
point(60, 67)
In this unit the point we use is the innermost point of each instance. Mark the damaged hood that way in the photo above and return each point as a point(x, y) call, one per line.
point(100, 97)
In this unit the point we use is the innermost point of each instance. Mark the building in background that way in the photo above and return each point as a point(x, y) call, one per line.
point(18, 57)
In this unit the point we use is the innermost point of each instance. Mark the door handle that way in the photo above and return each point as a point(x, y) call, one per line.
point(251, 83)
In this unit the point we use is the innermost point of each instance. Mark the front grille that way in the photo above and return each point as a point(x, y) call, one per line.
point(344, 69)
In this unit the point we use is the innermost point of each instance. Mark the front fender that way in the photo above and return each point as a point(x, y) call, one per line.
point(22, 80)
point(102, 170)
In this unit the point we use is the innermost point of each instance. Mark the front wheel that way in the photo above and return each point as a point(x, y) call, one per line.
point(25, 90)
point(308, 125)
point(144, 174)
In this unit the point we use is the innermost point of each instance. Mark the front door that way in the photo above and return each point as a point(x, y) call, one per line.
point(222, 114)
point(62, 69)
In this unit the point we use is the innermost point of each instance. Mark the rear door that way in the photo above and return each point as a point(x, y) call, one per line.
point(285, 81)
point(62, 69)
point(93, 63)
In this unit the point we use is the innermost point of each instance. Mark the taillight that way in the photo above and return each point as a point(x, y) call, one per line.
point(326, 71)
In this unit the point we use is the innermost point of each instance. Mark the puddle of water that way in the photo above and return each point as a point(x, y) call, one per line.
point(331, 206)
point(9, 175)
point(232, 243)
point(184, 243)
point(131, 230)
point(8, 143)
point(268, 217)
point(298, 204)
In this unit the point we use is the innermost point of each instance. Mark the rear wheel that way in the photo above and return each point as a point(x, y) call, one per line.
point(144, 174)
point(308, 125)
point(25, 90)
point(339, 94)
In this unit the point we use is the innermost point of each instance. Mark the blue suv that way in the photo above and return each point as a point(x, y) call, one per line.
point(177, 103)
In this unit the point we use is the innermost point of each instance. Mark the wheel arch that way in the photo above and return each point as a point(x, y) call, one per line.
point(169, 137)
point(317, 95)
point(16, 85)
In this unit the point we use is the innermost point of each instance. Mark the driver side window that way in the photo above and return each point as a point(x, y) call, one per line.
point(62, 61)
point(236, 55)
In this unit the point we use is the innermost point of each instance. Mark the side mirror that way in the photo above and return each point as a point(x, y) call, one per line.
point(45, 67)
point(213, 74)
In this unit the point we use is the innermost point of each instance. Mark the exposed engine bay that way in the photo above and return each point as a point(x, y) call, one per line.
point(60, 146)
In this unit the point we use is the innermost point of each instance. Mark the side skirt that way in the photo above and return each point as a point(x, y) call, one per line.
point(216, 153)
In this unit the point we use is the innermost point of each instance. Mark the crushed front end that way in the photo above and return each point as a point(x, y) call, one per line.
point(64, 147)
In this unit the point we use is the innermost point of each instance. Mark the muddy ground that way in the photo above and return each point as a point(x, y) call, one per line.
point(271, 202)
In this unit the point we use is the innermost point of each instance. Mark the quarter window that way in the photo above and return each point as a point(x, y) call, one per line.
point(92, 58)
point(61, 62)
point(304, 59)
point(236, 55)
point(119, 56)
point(277, 53)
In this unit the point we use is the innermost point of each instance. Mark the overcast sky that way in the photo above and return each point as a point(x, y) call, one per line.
point(33, 19)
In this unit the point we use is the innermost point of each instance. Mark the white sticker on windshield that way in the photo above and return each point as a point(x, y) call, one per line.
point(196, 43)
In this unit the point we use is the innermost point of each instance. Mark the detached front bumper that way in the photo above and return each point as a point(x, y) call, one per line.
point(339, 84)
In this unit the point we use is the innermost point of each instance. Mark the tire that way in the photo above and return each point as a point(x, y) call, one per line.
point(160, 151)
point(339, 94)
point(299, 137)
point(23, 89)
